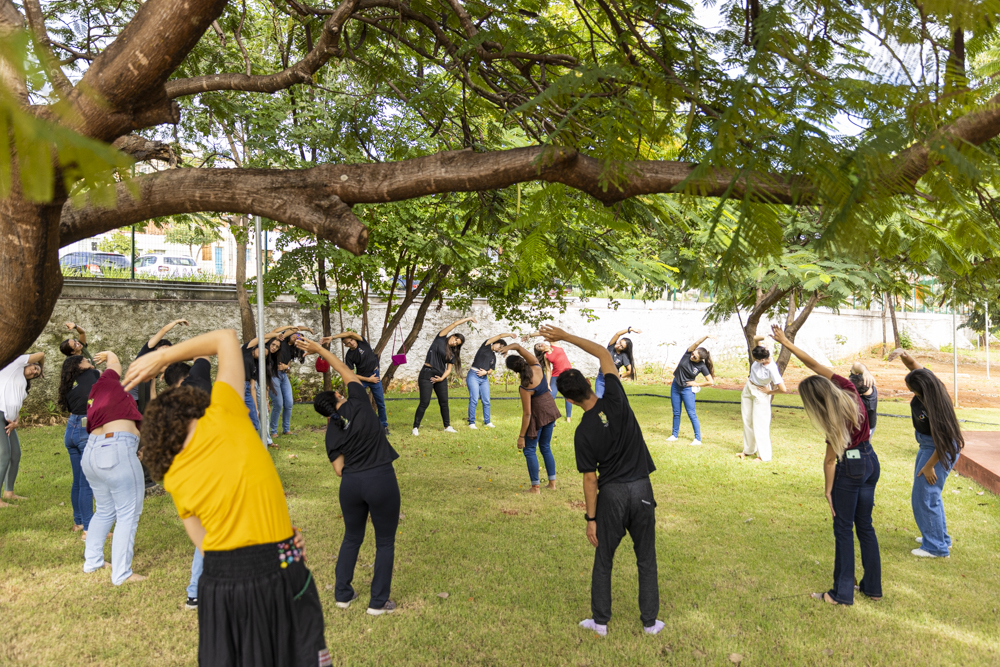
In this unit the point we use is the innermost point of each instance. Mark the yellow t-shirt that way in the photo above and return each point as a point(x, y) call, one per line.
point(226, 478)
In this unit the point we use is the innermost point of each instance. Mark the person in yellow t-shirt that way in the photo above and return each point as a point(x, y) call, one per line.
point(257, 601)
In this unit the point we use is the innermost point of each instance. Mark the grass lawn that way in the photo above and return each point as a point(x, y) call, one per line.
point(739, 546)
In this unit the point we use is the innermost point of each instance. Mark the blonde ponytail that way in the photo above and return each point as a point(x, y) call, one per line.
point(832, 410)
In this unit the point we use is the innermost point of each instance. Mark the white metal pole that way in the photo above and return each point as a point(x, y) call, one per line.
point(987, 340)
point(263, 416)
point(954, 349)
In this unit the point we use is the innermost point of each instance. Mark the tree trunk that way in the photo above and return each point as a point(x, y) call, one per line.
point(895, 326)
point(247, 321)
point(324, 308)
point(418, 324)
point(794, 325)
point(435, 275)
point(885, 350)
point(765, 301)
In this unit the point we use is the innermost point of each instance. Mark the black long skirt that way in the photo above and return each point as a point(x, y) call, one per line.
point(254, 612)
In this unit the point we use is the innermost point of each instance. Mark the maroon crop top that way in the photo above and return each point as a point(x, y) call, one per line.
point(108, 402)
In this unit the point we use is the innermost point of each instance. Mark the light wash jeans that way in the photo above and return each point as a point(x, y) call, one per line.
point(281, 403)
point(555, 395)
point(197, 565)
point(928, 507)
point(114, 473)
point(479, 390)
point(599, 386)
point(542, 441)
point(80, 494)
point(248, 398)
point(685, 395)
point(379, 396)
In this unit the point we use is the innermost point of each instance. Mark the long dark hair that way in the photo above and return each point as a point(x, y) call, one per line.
point(540, 354)
point(706, 356)
point(947, 435)
point(456, 352)
point(325, 403)
point(516, 363)
point(631, 355)
point(67, 378)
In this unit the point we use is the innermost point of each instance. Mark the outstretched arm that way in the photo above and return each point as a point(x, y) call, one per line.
point(36, 358)
point(312, 347)
point(112, 359)
point(757, 339)
point(494, 339)
point(528, 356)
point(347, 334)
point(81, 335)
point(154, 341)
point(451, 327)
point(221, 343)
point(614, 339)
point(555, 334)
point(779, 335)
point(694, 345)
point(267, 338)
point(908, 361)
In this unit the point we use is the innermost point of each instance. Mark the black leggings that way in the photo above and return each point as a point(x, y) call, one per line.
point(373, 492)
point(426, 387)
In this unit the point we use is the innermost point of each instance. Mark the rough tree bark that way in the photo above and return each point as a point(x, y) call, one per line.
point(765, 301)
point(324, 308)
point(418, 323)
point(247, 322)
point(792, 325)
point(895, 327)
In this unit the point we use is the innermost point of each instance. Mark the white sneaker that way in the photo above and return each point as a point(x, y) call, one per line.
point(473, 427)
point(920, 540)
point(450, 430)
point(695, 443)
point(491, 425)
point(655, 628)
point(920, 553)
point(416, 431)
point(672, 438)
point(346, 605)
point(589, 624)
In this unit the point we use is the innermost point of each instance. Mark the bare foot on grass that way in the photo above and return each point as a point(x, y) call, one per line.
point(535, 489)
point(3, 504)
point(552, 485)
point(134, 579)
point(77, 528)
point(9, 495)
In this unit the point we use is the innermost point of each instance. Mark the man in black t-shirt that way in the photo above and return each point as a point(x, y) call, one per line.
point(615, 462)
point(361, 358)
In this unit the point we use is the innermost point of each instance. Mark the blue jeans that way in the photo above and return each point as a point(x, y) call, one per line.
point(853, 499)
point(80, 494)
point(248, 396)
point(197, 565)
point(114, 473)
point(928, 509)
point(542, 441)
point(379, 396)
point(678, 395)
point(555, 395)
point(479, 390)
point(281, 403)
point(599, 386)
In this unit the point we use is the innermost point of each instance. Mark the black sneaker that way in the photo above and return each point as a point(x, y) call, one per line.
point(192, 603)
point(345, 605)
point(387, 431)
point(389, 607)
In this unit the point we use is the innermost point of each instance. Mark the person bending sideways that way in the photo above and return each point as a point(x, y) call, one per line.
point(615, 462)
point(538, 415)
point(15, 380)
point(695, 360)
point(941, 442)
point(443, 357)
point(111, 465)
point(763, 382)
point(621, 352)
point(851, 469)
point(75, 382)
point(257, 600)
point(477, 380)
point(864, 382)
point(361, 455)
point(74, 346)
point(282, 398)
point(251, 370)
point(145, 392)
point(362, 358)
point(554, 362)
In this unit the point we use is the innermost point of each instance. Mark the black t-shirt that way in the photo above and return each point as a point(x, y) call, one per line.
point(688, 370)
point(919, 416)
point(141, 393)
point(621, 359)
point(440, 355)
point(609, 440)
point(486, 358)
point(871, 400)
point(200, 376)
point(251, 367)
point(362, 359)
point(77, 396)
point(363, 442)
point(285, 352)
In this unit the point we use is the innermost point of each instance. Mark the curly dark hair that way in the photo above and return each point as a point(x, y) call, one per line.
point(165, 426)
point(70, 372)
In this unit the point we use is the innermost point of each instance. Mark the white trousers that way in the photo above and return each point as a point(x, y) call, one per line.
point(756, 409)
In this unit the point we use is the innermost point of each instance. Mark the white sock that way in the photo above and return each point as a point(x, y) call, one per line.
point(654, 629)
point(589, 624)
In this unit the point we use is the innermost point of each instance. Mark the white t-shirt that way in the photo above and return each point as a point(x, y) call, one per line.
point(764, 375)
point(13, 388)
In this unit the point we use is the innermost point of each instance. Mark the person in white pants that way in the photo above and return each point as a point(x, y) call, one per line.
point(764, 381)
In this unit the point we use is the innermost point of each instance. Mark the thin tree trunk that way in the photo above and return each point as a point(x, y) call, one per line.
point(884, 342)
point(247, 322)
point(437, 276)
point(418, 323)
point(794, 325)
point(364, 310)
point(895, 326)
point(324, 308)
point(340, 309)
point(765, 301)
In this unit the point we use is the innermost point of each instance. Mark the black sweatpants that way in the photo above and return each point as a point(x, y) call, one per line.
point(373, 492)
point(625, 507)
point(426, 387)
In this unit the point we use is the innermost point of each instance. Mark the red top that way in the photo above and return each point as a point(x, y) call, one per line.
point(863, 432)
point(557, 357)
point(108, 402)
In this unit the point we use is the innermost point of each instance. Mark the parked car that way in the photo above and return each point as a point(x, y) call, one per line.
point(93, 262)
point(166, 266)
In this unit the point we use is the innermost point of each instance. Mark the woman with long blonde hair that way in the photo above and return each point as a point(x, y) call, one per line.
point(851, 469)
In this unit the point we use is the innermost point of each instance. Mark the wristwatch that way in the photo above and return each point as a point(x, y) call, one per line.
point(589, 518)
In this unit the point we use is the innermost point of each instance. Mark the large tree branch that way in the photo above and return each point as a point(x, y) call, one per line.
point(278, 195)
point(36, 21)
point(326, 48)
point(142, 149)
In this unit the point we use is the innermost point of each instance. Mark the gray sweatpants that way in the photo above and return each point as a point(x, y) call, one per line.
point(10, 455)
point(626, 507)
